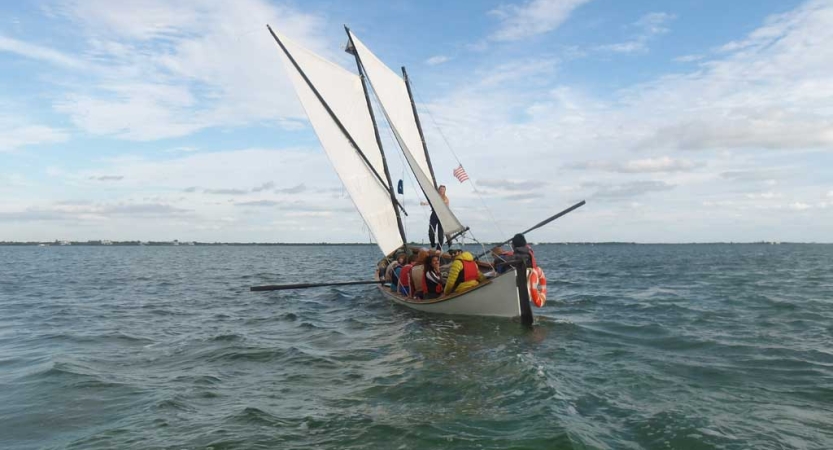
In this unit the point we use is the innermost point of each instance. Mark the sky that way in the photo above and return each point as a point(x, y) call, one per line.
point(686, 121)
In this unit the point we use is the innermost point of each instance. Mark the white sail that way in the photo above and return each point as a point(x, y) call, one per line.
point(393, 95)
point(343, 93)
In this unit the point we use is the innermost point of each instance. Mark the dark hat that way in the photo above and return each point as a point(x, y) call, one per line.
point(519, 240)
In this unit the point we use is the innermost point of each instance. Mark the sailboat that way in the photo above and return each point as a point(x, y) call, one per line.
point(337, 102)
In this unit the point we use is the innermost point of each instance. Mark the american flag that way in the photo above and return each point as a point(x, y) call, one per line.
point(460, 173)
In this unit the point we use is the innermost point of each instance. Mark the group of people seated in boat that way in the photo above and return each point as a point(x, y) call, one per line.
point(423, 276)
point(417, 276)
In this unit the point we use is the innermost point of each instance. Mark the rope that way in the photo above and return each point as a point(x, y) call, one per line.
point(448, 144)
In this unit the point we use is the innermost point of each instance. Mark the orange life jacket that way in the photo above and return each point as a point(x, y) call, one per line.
point(469, 273)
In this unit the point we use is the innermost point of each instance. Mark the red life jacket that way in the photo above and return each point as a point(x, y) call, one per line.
point(405, 275)
point(469, 271)
point(438, 287)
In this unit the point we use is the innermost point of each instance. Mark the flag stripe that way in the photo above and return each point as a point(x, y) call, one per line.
point(460, 173)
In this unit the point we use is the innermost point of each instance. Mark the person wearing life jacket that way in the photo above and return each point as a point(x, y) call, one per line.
point(432, 282)
point(417, 274)
point(404, 286)
point(520, 250)
point(500, 258)
point(463, 274)
point(392, 272)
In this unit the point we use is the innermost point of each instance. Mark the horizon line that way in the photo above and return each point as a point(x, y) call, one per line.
point(105, 242)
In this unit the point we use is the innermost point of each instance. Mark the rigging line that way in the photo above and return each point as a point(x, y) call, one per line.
point(482, 246)
point(404, 163)
point(448, 144)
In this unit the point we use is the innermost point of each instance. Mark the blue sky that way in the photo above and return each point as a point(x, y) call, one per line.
point(688, 121)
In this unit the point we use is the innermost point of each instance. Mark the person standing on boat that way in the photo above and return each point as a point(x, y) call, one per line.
point(434, 222)
point(463, 274)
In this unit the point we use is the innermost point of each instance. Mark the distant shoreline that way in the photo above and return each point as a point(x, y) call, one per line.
point(308, 244)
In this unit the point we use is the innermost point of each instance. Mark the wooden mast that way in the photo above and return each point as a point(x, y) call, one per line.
point(419, 127)
point(351, 49)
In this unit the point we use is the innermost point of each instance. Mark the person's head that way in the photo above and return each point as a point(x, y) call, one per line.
point(498, 253)
point(453, 252)
point(518, 240)
point(432, 263)
point(441, 189)
point(400, 257)
point(412, 259)
point(421, 257)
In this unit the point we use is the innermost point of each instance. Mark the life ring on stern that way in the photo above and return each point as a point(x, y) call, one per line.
point(537, 286)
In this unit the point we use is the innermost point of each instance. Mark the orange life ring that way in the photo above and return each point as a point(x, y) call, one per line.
point(537, 286)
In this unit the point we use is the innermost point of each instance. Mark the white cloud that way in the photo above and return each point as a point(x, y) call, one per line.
point(769, 195)
point(607, 191)
point(647, 165)
point(624, 47)
point(648, 26)
point(511, 185)
point(751, 114)
point(38, 52)
point(139, 112)
point(163, 196)
point(436, 60)
point(532, 18)
point(688, 58)
point(86, 211)
point(13, 180)
point(655, 23)
point(14, 135)
point(160, 69)
point(183, 149)
point(765, 175)
point(742, 111)
point(749, 129)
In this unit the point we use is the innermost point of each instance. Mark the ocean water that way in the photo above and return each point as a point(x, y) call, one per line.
point(638, 347)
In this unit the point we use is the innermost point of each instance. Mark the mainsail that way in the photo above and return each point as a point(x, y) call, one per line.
point(392, 93)
point(347, 135)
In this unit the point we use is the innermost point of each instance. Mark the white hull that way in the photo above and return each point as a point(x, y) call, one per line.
point(496, 298)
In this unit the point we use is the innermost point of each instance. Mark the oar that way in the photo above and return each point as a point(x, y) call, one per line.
point(540, 224)
point(281, 287)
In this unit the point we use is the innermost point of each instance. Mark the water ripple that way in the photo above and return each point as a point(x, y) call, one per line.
point(691, 346)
